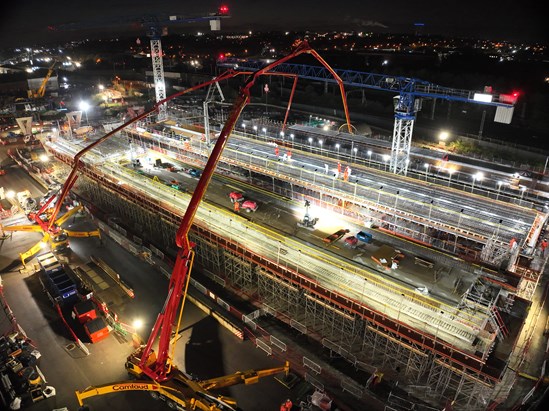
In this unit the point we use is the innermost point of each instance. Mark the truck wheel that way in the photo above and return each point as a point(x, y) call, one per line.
point(154, 395)
point(171, 404)
point(248, 210)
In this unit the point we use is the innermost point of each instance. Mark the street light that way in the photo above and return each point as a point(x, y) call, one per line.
point(426, 165)
point(500, 183)
point(369, 152)
point(264, 130)
point(396, 213)
point(255, 129)
point(137, 324)
point(85, 106)
point(337, 146)
point(386, 158)
point(522, 190)
point(379, 195)
point(450, 172)
point(429, 219)
point(442, 137)
point(320, 143)
point(355, 150)
point(458, 226)
point(282, 135)
point(478, 176)
point(311, 144)
point(244, 127)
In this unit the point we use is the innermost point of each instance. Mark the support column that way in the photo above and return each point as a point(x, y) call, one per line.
point(158, 76)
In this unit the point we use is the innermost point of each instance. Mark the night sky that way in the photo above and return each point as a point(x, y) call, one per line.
point(25, 22)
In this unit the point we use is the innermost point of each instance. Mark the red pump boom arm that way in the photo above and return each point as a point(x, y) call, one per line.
point(166, 321)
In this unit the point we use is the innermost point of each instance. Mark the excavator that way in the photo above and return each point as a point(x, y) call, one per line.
point(154, 371)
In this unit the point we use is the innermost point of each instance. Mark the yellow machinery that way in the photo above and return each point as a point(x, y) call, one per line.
point(58, 240)
point(180, 390)
point(42, 89)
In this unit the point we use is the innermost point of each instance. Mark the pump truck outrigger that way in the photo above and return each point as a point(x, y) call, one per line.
point(155, 372)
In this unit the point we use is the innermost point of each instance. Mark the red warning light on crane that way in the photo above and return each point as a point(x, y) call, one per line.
point(509, 98)
point(223, 10)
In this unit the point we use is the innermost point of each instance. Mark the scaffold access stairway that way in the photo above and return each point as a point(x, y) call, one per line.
point(501, 329)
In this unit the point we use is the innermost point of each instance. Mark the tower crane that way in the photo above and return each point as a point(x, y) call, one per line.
point(155, 371)
point(407, 102)
point(156, 27)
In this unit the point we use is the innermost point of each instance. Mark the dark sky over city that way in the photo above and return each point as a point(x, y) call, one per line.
point(25, 22)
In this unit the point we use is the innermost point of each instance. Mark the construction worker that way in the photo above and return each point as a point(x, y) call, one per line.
point(277, 151)
point(544, 245)
point(338, 169)
point(289, 154)
point(236, 206)
point(286, 405)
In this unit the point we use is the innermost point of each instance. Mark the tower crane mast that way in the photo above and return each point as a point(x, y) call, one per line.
point(155, 28)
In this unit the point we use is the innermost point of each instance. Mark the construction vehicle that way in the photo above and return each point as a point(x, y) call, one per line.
point(42, 89)
point(155, 371)
point(50, 226)
point(308, 221)
point(249, 206)
point(332, 238)
point(243, 203)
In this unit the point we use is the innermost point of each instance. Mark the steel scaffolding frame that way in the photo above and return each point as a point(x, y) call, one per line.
point(464, 389)
point(238, 271)
point(443, 378)
point(330, 322)
point(208, 254)
point(405, 359)
point(278, 294)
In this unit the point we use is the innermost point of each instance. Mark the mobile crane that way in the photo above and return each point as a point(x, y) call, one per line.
point(42, 89)
point(155, 371)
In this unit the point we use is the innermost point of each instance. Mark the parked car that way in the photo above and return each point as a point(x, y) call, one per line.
point(364, 237)
point(193, 172)
point(351, 241)
point(176, 184)
point(236, 196)
point(249, 206)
